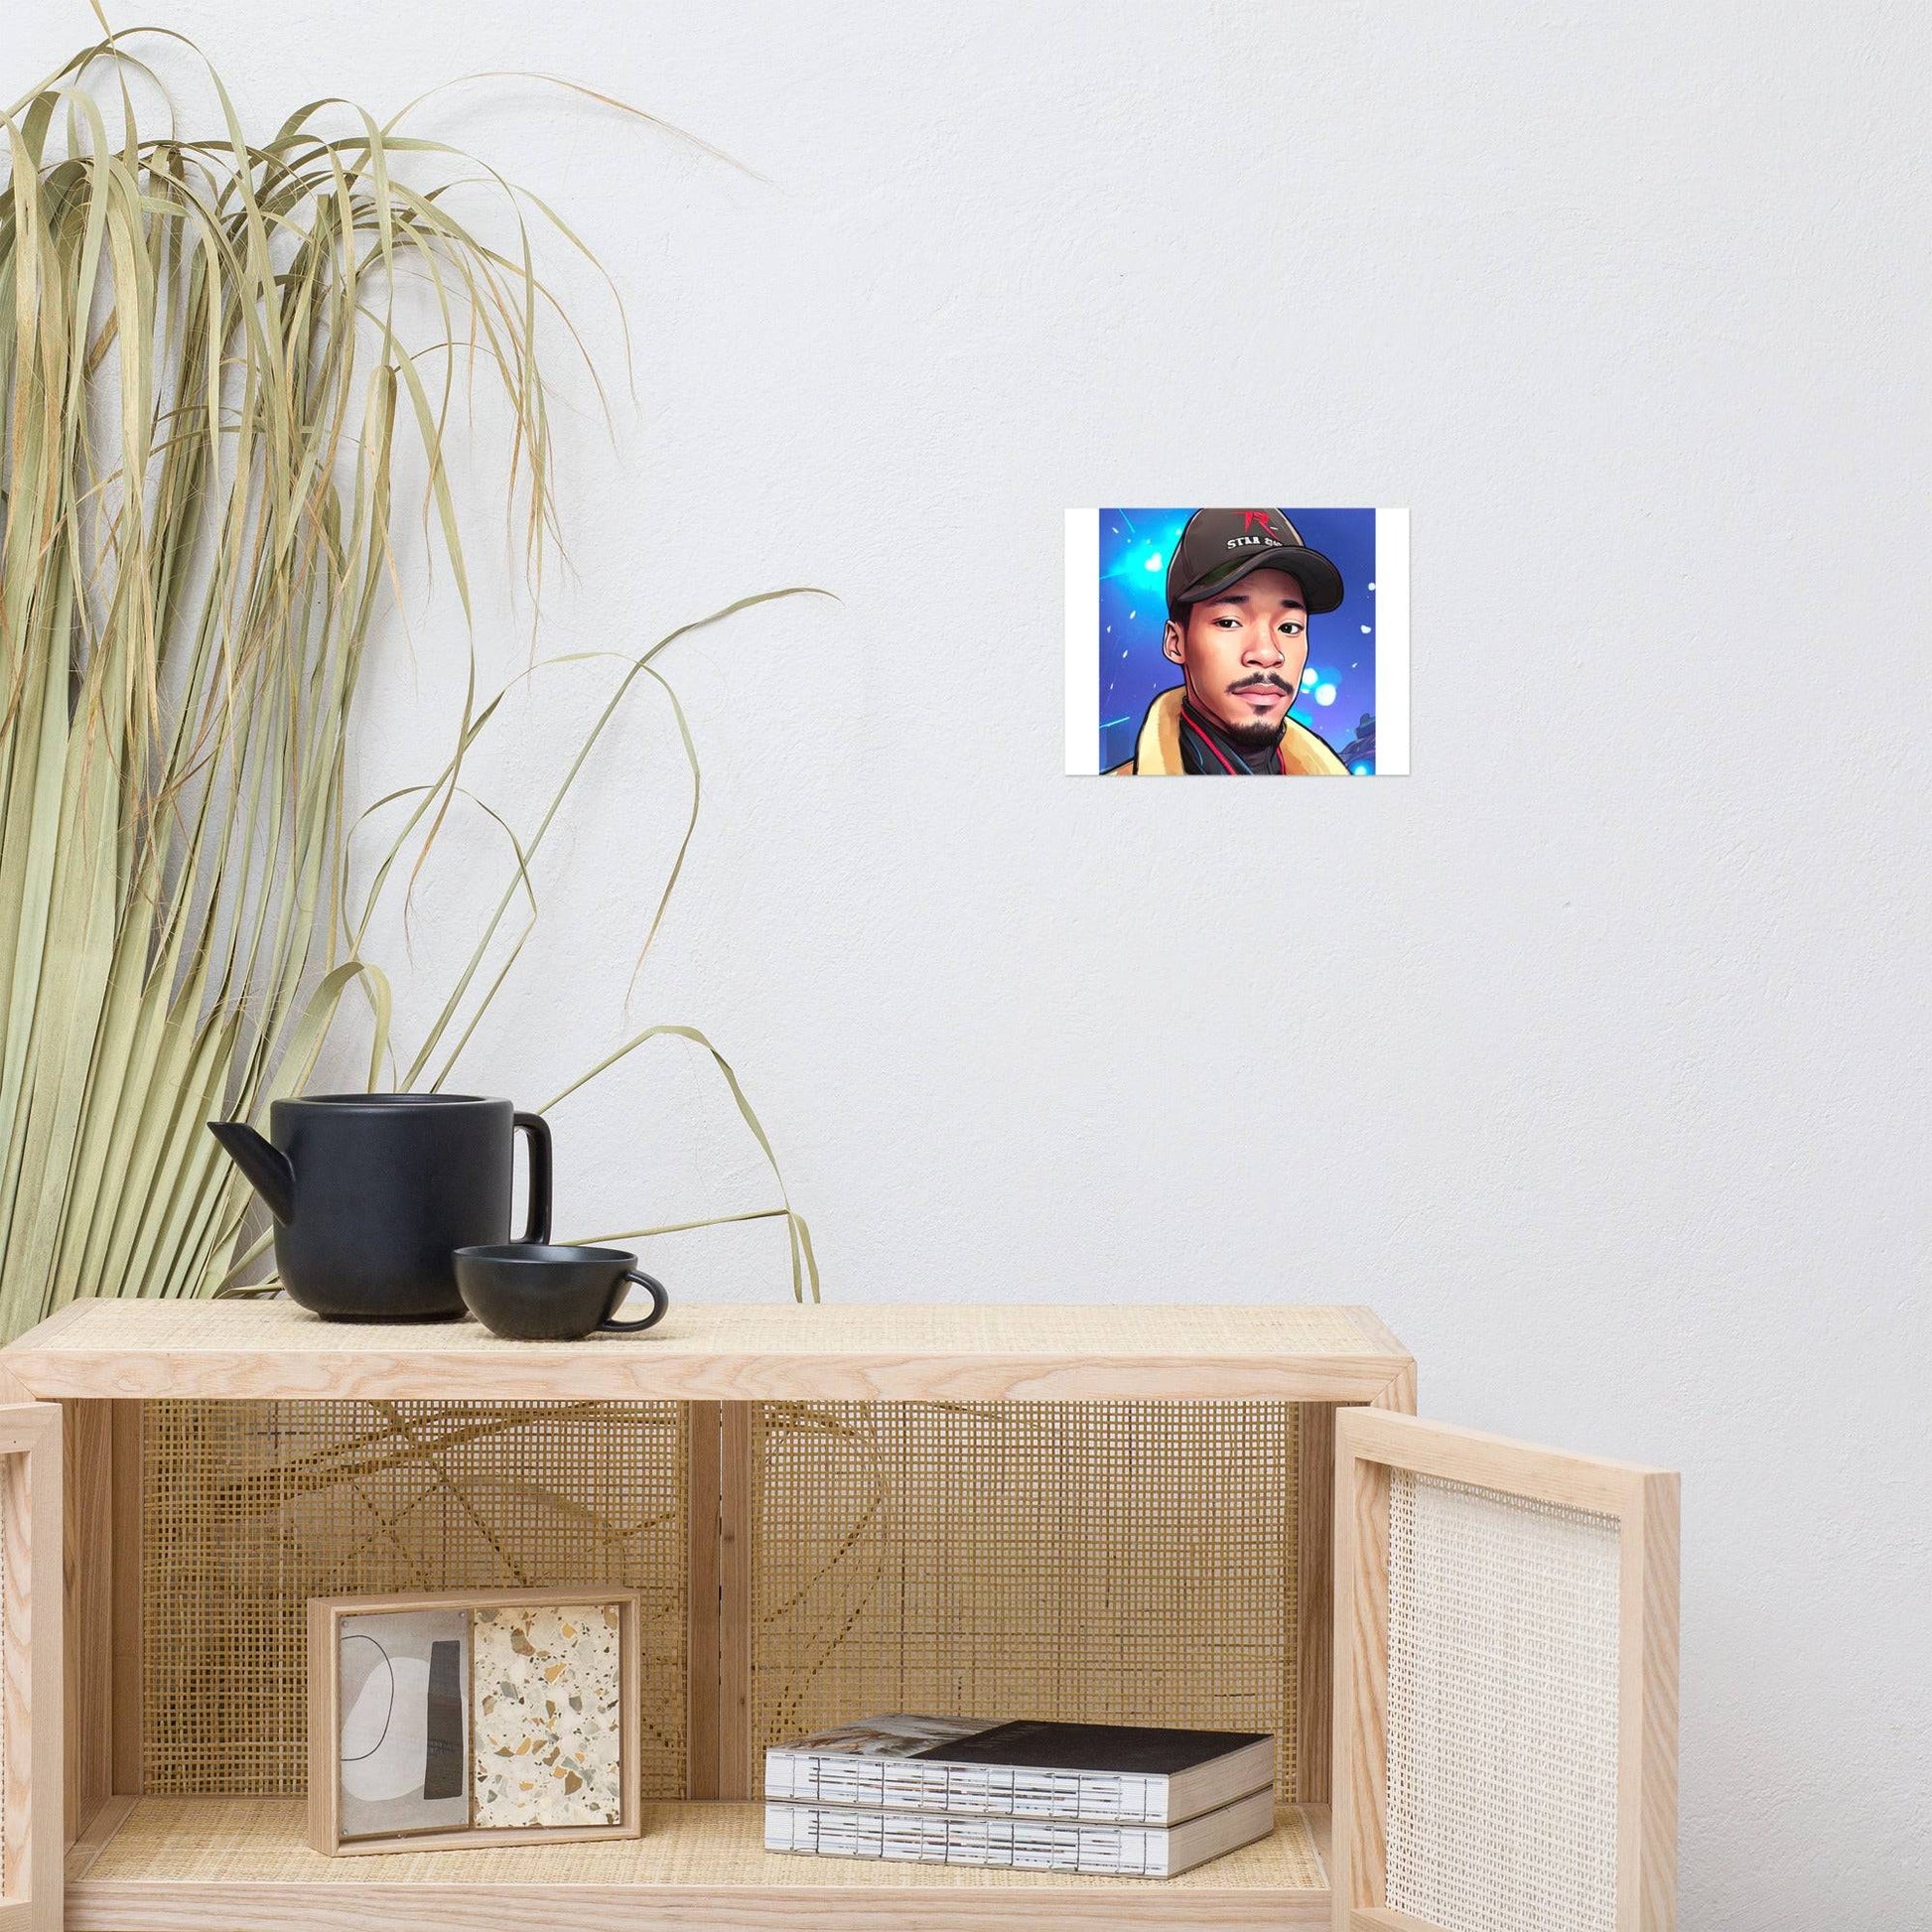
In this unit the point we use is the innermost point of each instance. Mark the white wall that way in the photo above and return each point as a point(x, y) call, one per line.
point(1594, 1055)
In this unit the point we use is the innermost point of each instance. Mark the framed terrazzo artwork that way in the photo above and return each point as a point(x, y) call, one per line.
point(473, 1718)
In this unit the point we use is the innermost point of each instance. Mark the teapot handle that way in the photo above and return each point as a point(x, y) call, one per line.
point(537, 1222)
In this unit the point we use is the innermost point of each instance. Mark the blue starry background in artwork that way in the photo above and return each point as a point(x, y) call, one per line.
point(1338, 686)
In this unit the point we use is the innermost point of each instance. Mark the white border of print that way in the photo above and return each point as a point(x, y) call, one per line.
point(1391, 644)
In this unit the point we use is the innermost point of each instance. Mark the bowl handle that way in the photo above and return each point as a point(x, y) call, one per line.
point(660, 1297)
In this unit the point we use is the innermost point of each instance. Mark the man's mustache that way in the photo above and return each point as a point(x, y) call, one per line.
point(1261, 680)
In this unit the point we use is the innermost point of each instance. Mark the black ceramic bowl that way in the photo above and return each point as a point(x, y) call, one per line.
point(528, 1292)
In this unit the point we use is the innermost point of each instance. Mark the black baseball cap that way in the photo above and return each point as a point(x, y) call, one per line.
point(1220, 547)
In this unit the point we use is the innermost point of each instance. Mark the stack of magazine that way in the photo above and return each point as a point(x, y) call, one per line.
point(1113, 1800)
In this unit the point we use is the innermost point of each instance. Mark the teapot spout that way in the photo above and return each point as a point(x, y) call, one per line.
point(266, 1167)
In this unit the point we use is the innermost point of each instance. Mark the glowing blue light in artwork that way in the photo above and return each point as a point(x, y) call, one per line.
point(1363, 770)
point(1325, 694)
point(1154, 562)
point(1308, 680)
point(1364, 631)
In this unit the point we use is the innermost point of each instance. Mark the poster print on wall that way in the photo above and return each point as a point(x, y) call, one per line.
point(1237, 642)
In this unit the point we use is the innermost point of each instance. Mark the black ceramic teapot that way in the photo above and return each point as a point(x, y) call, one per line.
point(373, 1193)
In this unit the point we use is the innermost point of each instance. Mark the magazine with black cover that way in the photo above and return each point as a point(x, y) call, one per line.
point(1023, 1768)
point(1018, 1843)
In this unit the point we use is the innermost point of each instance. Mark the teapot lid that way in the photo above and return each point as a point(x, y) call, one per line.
point(386, 1101)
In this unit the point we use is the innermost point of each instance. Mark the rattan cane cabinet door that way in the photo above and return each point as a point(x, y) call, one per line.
point(31, 1684)
point(1505, 1753)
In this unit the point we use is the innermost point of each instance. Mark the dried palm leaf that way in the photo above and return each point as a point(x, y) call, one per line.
point(211, 390)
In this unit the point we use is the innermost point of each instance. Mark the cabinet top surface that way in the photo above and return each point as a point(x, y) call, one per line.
point(737, 1351)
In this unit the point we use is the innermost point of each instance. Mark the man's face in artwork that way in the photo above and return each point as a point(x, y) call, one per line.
point(1242, 653)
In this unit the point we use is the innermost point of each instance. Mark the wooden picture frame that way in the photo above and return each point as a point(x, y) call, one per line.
point(326, 1616)
point(1371, 1448)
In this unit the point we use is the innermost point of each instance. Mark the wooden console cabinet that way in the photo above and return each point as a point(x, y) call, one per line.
point(947, 1468)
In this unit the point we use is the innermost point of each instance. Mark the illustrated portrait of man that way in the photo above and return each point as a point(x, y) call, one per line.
point(1241, 587)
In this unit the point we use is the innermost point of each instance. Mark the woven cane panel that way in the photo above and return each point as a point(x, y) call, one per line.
point(1503, 1711)
point(1111, 1562)
point(250, 1508)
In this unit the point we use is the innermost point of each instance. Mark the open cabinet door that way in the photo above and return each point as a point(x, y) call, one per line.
point(31, 1687)
point(1505, 1750)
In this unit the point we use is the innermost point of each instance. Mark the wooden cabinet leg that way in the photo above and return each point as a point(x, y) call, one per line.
point(718, 1551)
point(86, 1455)
point(737, 1775)
point(101, 1449)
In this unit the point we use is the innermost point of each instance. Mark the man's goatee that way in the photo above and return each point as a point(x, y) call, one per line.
point(1256, 737)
